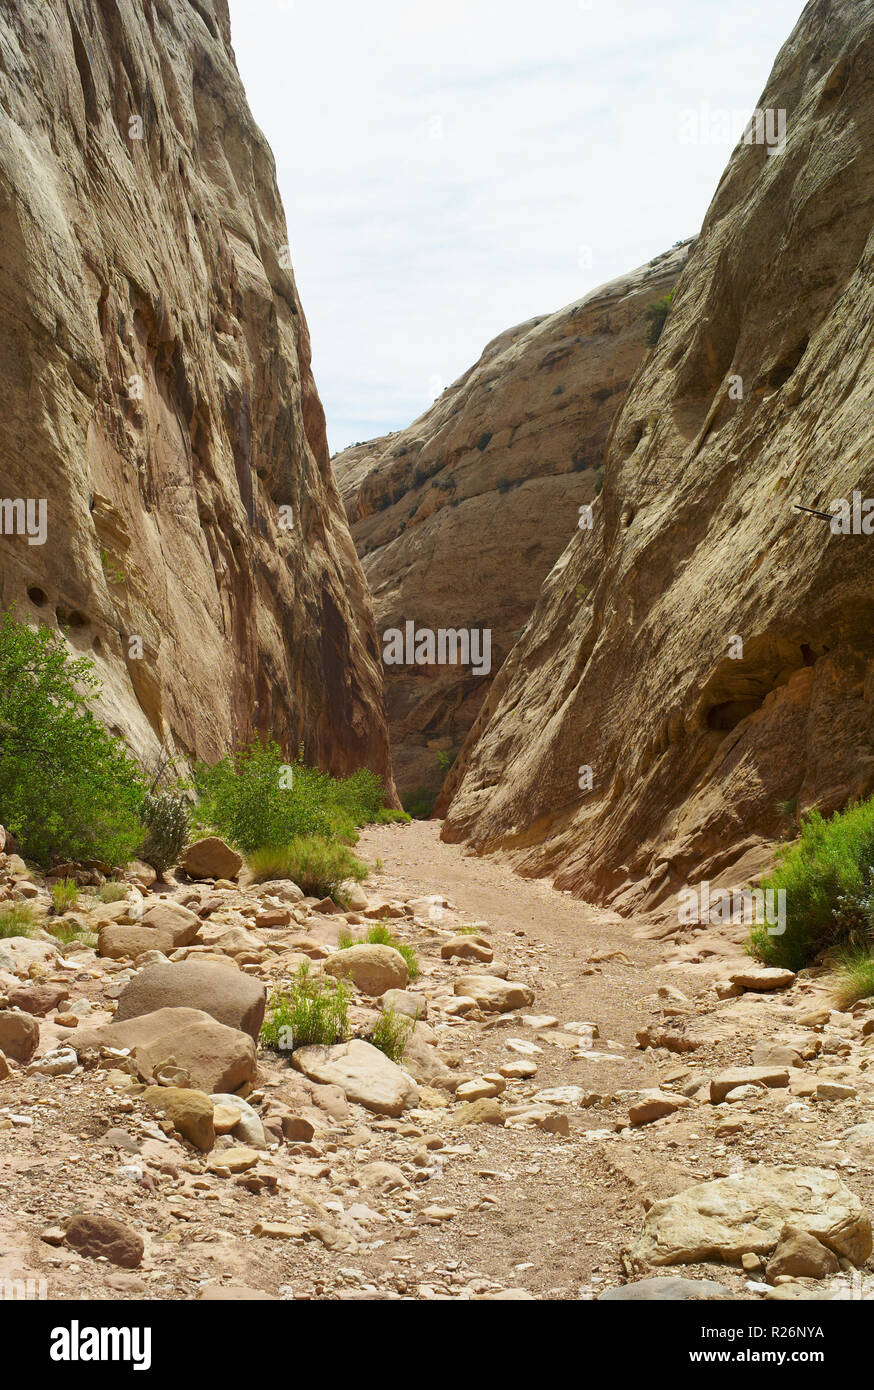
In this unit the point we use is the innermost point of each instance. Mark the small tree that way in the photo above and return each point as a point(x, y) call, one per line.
point(68, 789)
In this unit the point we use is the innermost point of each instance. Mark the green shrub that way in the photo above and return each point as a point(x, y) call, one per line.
point(314, 1010)
point(389, 816)
point(826, 877)
point(18, 920)
point(391, 1033)
point(854, 975)
point(65, 894)
point(69, 932)
point(68, 789)
point(655, 315)
point(112, 892)
point(420, 803)
point(316, 865)
point(380, 934)
point(167, 817)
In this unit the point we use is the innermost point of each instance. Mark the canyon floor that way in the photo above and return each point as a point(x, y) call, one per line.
point(548, 1198)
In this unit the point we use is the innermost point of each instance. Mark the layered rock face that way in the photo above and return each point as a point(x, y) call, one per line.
point(459, 518)
point(707, 649)
point(158, 395)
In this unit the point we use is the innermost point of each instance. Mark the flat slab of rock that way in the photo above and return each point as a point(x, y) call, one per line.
point(746, 1076)
point(762, 977)
point(372, 968)
point(216, 1058)
point(467, 948)
point(211, 858)
point(666, 1289)
point(654, 1105)
point(222, 991)
point(363, 1073)
point(494, 995)
point(724, 1219)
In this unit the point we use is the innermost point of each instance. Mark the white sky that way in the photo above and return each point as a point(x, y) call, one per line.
point(444, 166)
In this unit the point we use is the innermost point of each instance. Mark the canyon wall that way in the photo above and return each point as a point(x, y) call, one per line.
point(158, 395)
point(459, 518)
point(707, 650)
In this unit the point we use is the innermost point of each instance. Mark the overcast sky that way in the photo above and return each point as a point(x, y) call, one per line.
point(450, 169)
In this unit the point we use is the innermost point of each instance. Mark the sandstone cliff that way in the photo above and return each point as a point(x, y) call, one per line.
point(701, 750)
point(158, 395)
point(459, 518)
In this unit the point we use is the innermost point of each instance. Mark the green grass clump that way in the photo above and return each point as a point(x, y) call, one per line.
point(17, 920)
point(380, 934)
point(69, 932)
point(112, 892)
point(854, 976)
point(314, 1010)
point(391, 1033)
point(655, 315)
point(318, 866)
point(826, 877)
point(65, 894)
point(68, 788)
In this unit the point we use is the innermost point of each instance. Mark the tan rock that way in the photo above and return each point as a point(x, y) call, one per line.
point(364, 1074)
point(19, 1035)
point(492, 994)
point(190, 1111)
point(761, 977)
point(480, 1112)
point(212, 858)
point(217, 1058)
point(801, 1255)
point(372, 968)
point(736, 1077)
point(654, 1105)
point(467, 948)
point(95, 1235)
point(222, 991)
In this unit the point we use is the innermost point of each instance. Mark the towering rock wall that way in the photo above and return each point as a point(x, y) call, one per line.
point(459, 518)
point(157, 393)
point(703, 747)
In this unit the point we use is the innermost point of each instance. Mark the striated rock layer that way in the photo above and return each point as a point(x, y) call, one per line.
point(155, 369)
point(459, 518)
point(701, 749)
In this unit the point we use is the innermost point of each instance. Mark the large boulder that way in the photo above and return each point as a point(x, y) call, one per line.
point(362, 1072)
point(223, 991)
point(126, 943)
point(373, 969)
point(216, 1058)
point(725, 1219)
point(494, 995)
point(181, 922)
point(211, 858)
point(191, 1112)
point(19, 1035)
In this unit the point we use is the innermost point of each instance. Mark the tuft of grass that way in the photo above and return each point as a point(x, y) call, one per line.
point(69, 932)
point(318, 866)
point(17, 920)
point(314, 1010)
point(380, 934)
point(112, 892)
point(854, 975)
point(391, 1033)
point(65, 894)
point(826, 875)
point(655, 315)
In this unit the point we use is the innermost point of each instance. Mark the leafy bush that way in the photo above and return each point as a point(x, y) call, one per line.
point(167, 817)
point(420, 803)
point(68, 789)
point(655, 315)
point(380, 934)
point(256, 800)
point(314, 1010)
point(317, 866)
point(389, 816)
point(65, 894)
point(17, 920)
point(826, 876)
point(391, 1033)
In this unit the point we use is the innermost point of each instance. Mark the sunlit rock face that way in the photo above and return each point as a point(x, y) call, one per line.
point(702, 747)
point(158, 395)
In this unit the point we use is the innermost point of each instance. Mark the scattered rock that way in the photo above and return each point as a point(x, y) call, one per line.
point(19, 1035)
point(191, 1112)
point(96, 1235)
point(372, 968)
point(212, 858)
point(494, 995)
point(216, 1058)
point(364, 1074)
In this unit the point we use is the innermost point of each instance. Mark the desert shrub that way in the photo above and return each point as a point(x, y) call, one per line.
point(391, 1033)
point(389, 816)
point(112, 892)
point(68, 789)
point(826, 875)
point(167, 817)
point(420, 803)
point(316, 865)
point(380, 934)
point(314, 1010)
point(655, 315)
point(854, 975)
point(69, 932)
point(65, 894)
point(19, 919)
